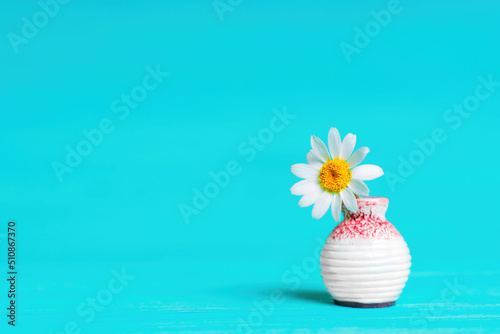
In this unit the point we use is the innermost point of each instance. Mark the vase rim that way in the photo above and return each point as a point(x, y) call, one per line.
point(371, 199)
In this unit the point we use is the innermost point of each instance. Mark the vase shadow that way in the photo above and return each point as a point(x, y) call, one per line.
point(317, 296)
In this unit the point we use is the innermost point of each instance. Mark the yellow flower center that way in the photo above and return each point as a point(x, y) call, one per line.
point(335, 175)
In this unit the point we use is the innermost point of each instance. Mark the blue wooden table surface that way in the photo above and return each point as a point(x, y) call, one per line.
point(242, 297)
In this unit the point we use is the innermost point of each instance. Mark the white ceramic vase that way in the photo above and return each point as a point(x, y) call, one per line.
point(365, 262)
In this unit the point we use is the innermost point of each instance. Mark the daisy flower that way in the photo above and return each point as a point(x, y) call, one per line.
point(333, 177)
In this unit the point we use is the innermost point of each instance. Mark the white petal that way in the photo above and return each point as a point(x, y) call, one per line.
point(347, 146)
point(322, 205)
point(358, 187)
point(358, 157)
point(367, 172)
point(320, 148)
point(305, 171)
point(314, 160)
point(334, 143)
point(336, 207)
point(349, 200)
point(311, 197)
point(305, 186)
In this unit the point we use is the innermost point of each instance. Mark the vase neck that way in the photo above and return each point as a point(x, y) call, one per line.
point(373, 207)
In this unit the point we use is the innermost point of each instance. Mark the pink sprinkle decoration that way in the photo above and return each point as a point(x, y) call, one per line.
point(365, 223)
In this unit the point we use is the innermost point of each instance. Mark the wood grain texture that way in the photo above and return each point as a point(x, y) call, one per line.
point(240, 299)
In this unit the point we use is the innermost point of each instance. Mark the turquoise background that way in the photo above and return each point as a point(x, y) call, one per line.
point(121, 206)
